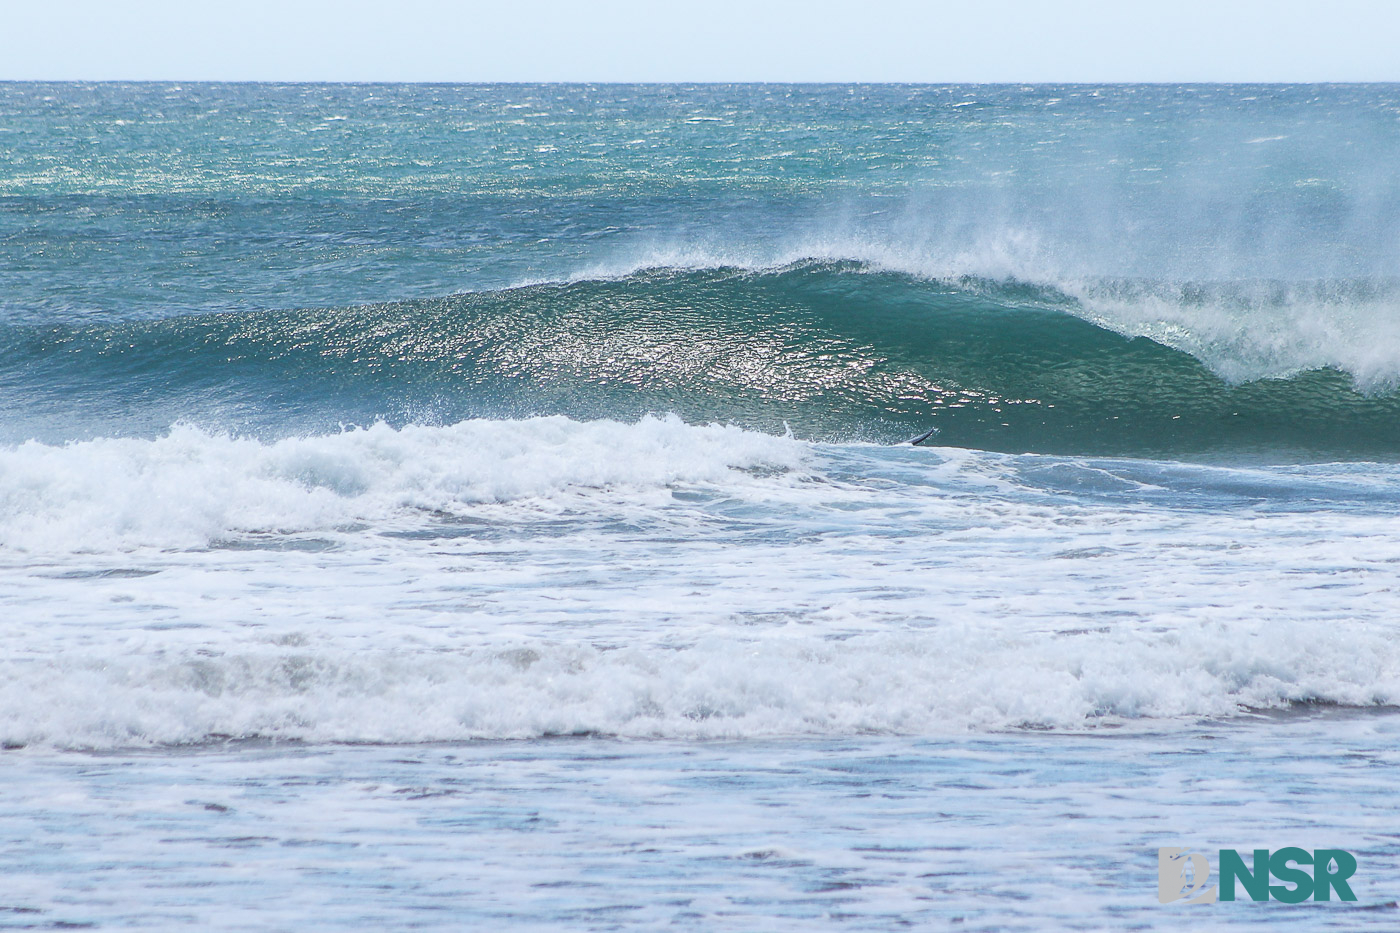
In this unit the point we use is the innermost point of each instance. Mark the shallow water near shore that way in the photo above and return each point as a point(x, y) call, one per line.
point(990, 832)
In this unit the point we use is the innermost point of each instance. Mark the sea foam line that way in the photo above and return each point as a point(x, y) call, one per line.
point(790, 682)
point(192, 487)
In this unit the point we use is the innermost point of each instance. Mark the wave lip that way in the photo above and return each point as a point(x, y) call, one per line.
point(835, 351)
point(1241, 328)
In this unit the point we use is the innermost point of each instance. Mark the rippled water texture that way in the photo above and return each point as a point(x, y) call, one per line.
point(469, 507)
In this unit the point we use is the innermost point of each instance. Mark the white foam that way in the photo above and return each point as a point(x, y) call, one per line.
point(1261, 332)
point(1252, 328)
point(191, 487)
point(659, 579)
point(789, 682)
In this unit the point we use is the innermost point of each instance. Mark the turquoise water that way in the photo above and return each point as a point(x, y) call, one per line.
point(449, 506)
point(861, 262)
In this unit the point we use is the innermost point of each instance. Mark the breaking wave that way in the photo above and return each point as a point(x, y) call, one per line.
point(834, 350)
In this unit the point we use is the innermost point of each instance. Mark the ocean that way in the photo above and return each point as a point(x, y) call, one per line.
point(603, 507)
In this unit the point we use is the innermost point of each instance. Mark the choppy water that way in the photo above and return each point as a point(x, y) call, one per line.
point(565, 428)
point(991, 832)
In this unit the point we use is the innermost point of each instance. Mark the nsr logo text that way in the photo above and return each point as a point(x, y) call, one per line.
point(1182, 874)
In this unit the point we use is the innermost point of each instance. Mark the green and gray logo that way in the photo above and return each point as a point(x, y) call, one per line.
point(1182, 875)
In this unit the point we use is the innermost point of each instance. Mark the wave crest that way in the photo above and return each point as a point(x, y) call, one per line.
point(836, 350)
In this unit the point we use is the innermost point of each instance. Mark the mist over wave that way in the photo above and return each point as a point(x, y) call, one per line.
point(1243, 327)
point(830, 350)
point(856, 263)
point(336, 197)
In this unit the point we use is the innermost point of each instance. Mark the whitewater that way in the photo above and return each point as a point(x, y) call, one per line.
point(497, 506)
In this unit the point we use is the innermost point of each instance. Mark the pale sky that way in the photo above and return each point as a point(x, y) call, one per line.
point(687, 40)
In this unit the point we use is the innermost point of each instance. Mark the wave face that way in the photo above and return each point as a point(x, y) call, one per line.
point(1148, 270)
point(835, 351)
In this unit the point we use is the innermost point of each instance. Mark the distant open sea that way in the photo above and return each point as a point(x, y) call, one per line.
point(480, 507)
